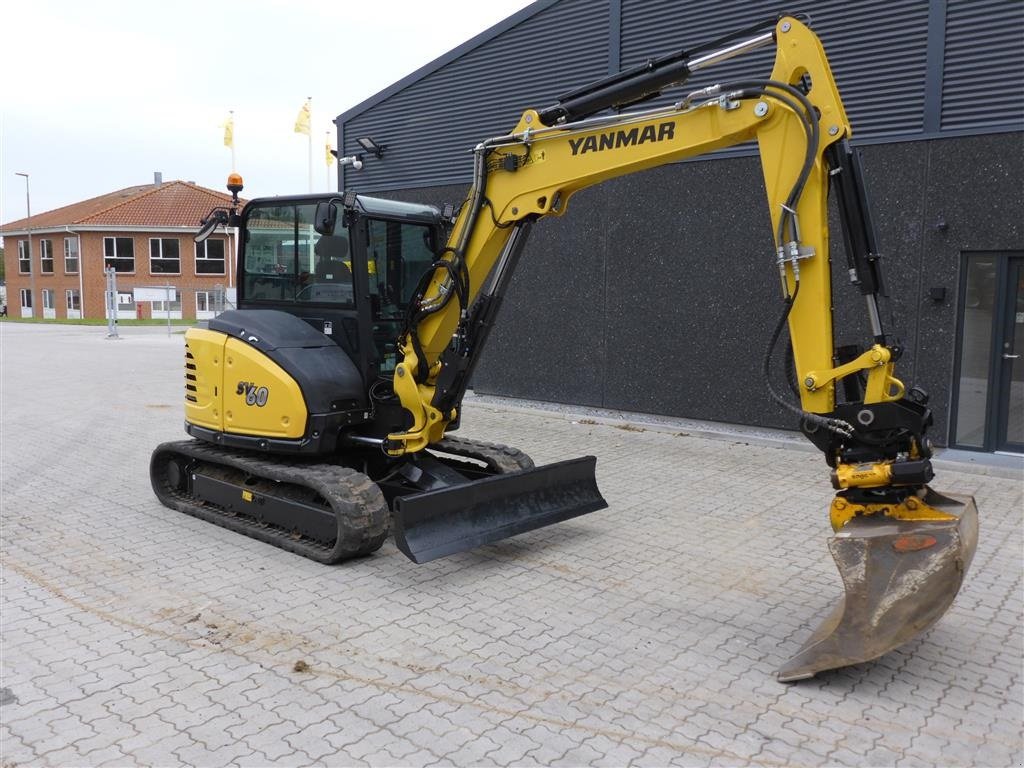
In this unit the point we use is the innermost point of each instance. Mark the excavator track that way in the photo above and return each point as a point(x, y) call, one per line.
point(360, 510)
point(252, 491)
point(500, 459)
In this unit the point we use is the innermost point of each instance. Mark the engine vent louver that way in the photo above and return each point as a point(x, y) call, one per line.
point(190, 378)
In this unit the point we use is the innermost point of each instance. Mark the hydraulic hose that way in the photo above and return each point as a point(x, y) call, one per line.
point(808, 120)
point(456, 268)
point(838, 426)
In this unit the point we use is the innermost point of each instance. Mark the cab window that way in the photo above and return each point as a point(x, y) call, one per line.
point(398, 254)
point(287, 261)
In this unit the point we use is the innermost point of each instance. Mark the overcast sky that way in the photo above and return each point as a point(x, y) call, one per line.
point(96, 96)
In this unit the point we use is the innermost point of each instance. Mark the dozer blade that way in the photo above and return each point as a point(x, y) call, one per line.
point(900, 577)
point(433, 524)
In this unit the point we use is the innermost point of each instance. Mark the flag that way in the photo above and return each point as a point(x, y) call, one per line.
point(229, 131)
point(328, 156)
point(302, 121)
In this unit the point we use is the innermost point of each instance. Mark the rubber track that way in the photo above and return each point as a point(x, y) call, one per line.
point(359, 506)
point(500, 459)
point(362, 513)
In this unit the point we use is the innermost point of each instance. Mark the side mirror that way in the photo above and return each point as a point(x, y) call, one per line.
point(325, 218)
point(214, 219)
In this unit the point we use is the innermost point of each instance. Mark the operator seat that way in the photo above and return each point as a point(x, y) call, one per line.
point(331, 252)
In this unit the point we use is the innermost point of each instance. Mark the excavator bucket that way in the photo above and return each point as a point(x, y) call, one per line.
point(433, 524)
point(900, 577)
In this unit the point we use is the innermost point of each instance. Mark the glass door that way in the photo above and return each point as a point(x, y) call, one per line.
point(989, 385)
point(1010, 361)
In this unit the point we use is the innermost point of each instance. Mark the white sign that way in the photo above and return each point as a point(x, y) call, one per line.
point(154, 294)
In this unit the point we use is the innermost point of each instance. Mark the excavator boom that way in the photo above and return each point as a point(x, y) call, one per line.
point(874, 438)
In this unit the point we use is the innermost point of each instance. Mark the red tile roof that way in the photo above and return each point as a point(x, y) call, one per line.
point(170, 204)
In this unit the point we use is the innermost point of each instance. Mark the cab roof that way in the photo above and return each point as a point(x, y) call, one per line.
point(420, 213)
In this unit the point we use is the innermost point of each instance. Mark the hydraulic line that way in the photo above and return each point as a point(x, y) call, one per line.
point(809, 122)
point(838, 426)
point(458, 273)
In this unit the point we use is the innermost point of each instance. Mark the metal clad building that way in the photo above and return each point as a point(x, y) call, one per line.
point(656, 292)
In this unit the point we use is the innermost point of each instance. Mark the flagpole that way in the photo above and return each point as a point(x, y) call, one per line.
point(327, 163)
point(231, 117)
point(304, 124)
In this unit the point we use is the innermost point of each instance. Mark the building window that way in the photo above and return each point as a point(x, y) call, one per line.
point(164, 258)
point(125, 306)
point(119, 253)
point(160, 308)
point(73, 300)
point(210, 257)
point(209, 303)
point(46, 257)
point(26, 302)
point(70, 255)
point(49, 310)
point(24, 258)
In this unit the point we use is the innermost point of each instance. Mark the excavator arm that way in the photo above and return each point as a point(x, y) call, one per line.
point(901, 549)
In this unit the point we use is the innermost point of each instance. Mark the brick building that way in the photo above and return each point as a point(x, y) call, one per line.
point(54, 261)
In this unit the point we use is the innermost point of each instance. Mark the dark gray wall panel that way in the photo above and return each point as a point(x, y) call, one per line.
point(431, 126)
point(549, 337)
point(690, 253)
point(877, 49)
point(974, 185)
point(983, 75)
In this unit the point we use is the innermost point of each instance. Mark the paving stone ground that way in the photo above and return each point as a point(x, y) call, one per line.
point(645, 634)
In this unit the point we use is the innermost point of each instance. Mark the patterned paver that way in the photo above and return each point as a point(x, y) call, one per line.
point(645, 634)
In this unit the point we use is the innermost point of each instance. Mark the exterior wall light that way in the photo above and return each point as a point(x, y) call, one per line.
point(371, 146)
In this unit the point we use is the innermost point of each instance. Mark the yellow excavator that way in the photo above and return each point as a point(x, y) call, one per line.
point(321, 410)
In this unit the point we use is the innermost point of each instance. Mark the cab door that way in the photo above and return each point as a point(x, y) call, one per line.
point(287, 265)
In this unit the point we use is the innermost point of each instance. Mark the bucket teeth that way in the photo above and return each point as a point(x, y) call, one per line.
point(899, 576)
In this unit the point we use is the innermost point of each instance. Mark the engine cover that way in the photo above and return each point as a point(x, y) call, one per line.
point(269, 376)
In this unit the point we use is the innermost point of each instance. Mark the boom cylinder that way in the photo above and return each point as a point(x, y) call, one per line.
point(646, 80)
point(729, 52)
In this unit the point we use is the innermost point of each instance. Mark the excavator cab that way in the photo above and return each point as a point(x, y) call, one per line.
point(312, 257)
